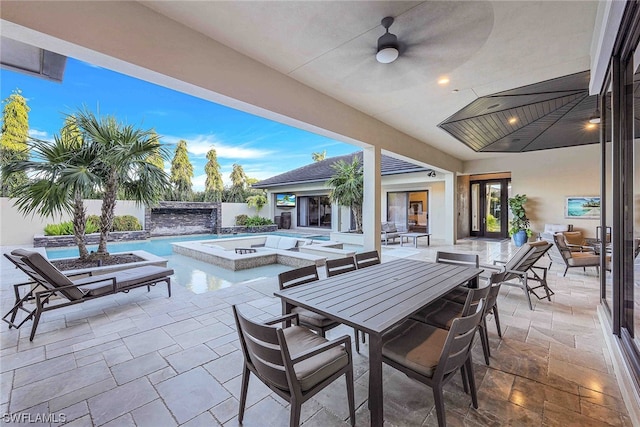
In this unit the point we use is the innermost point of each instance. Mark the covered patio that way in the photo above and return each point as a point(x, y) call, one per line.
point(145, 359)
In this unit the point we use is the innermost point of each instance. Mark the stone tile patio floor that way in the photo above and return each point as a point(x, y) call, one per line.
point(143, 359)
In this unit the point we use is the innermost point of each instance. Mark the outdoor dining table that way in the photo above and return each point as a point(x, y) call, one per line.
point(374, 300)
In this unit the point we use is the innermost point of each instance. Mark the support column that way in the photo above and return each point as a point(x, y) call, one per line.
point(450, 208)
point(371, 206)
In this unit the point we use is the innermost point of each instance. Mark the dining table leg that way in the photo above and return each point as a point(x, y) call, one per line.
point(375, 380)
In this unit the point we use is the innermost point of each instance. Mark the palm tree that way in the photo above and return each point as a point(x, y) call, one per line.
point(62, 177)
point(121, 163)
point(347, 185)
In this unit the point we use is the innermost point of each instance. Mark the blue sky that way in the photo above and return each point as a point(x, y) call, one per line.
point(264, 148)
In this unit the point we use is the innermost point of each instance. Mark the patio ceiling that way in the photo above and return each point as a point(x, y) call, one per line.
point(482, 47)
point(545, 115)
point(253, 55)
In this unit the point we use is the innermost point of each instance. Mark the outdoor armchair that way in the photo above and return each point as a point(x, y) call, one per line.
point(575, 259)
point(293, 362)
point(48, 282)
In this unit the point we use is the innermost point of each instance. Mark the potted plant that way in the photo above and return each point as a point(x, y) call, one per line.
point(519, 229)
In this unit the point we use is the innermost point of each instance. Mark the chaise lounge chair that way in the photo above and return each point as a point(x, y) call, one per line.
point(521, 268)
point(48, 282)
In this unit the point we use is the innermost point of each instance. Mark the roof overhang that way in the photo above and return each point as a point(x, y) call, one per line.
point(31, 60)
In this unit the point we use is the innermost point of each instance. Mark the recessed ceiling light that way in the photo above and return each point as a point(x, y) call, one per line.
point(591, 126)
point(443, 81)
point(512, 120)
point(455, 91)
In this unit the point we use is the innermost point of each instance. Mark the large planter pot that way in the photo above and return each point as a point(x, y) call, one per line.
point(520, 238)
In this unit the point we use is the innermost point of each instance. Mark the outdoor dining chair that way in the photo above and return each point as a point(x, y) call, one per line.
point(308, 318)
point(340, 265)
point(367, 259)
point(442, 312)
point(432, 355)
point(49, 282)
point(293, 362)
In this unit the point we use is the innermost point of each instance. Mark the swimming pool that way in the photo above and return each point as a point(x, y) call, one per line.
point(161, 246)
point(196, 276)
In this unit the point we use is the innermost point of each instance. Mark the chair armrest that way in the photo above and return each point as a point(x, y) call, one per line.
point(499, 261)
point(345, 339)
point(492, 267)
point(283, 318)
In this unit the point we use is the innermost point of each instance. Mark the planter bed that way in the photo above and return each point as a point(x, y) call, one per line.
point(40, 241)
point(242, 229)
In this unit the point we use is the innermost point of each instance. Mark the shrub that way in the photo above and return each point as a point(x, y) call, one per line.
point(241, 219)
point(66, 229)
point(62, 229)
point(255, 221)
point(120, 223)
point(126, 223)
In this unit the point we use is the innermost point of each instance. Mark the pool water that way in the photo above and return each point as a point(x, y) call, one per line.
point(160, 246)
point(197, 276)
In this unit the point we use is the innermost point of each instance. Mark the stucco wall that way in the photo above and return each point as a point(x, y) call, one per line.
point(547, 177)
point(231, 210)
point(17, 229)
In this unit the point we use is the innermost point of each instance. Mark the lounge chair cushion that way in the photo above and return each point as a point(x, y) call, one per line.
point(131, 277)
point(311, 318)
point(415, 345)
point(54, 276)
point(287, 243)
point(272, 242)
point(316, 369)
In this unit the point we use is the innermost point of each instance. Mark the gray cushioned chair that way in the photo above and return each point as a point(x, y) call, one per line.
point(432, 355)
point(48, 281)
point(293, 362)
point(575, 259)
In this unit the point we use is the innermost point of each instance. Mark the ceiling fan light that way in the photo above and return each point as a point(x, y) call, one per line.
point(387, 55)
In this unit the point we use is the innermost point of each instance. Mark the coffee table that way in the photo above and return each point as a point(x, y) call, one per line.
point(415, 237)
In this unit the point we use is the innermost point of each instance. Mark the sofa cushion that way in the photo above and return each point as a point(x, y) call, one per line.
point(389, 227)
point(272, 242)
point(287, 243)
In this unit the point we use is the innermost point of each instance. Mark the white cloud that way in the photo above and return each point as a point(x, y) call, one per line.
point(199, 145)
point(197, 183)
point(40, 134)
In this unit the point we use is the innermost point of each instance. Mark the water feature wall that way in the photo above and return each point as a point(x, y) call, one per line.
point(179, 218)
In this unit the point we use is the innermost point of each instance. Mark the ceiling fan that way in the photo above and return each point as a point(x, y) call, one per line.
point(388, 48)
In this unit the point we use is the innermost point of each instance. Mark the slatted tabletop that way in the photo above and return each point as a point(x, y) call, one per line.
point(374, 300)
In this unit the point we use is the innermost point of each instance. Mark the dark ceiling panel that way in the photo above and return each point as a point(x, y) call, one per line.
point(541, 116)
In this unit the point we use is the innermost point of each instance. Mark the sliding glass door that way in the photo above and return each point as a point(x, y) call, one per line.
point(409, 210)
point(314, 211)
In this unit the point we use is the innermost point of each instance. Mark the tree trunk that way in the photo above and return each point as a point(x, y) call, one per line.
point(357, 215)
point(107, 214)
point(79, 225)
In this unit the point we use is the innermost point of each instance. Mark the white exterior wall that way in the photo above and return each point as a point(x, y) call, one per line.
point(18, 229)
point(231, 210)
point(547, 177)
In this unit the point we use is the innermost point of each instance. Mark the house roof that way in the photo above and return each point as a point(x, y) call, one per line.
point(322, 170)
